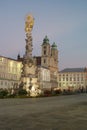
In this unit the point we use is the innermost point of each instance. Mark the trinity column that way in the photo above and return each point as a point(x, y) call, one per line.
point(28, 78)
point(28, 28)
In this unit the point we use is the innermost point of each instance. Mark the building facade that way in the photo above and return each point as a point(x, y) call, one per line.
point(49, 59)
point(10, 72)
point(73, 79)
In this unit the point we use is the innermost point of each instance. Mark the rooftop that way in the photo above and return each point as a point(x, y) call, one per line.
point(73, 70)
point(9, 58)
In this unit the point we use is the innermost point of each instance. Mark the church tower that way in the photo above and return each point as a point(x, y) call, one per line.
point(45, 59)
point(54, 65)
point(54, 56)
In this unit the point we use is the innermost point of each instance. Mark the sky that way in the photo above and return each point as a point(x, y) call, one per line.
point(63, 21)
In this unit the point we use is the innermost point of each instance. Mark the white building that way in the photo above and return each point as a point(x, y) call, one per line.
point(72, 78)
point(44, 77)
point(10, 72)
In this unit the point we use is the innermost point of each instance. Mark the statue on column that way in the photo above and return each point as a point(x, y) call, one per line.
point(29, 77)
point(29, 22)
point(28, 59)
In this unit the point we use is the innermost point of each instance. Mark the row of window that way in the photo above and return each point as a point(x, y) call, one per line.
point(9, 76)
point(71, 75)
point(8, 61)
point(9, 69)
point(72, 79)
point(73, 83)
point(6, 84)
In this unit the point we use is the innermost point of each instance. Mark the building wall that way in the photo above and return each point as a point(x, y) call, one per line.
point(72, 80)
point(49, 59)
point(10, 72)
point(44, 78)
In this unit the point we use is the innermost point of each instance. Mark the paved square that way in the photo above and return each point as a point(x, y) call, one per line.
point(50, 113)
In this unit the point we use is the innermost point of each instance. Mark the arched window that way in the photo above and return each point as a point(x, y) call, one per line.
point(44, 52)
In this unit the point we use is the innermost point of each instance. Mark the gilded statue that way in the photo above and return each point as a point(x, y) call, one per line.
point(29, 22)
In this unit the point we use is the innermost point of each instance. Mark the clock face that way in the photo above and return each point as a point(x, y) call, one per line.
point(29, 22)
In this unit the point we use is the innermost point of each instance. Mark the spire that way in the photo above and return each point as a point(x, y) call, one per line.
point(18, 56)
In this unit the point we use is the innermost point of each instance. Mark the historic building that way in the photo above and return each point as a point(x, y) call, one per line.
point(10, 72)
point(49, 59)
point(48, 63)
point(73, 79)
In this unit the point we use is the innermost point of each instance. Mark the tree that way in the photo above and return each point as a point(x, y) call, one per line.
point(22, 92)
point(3, 93)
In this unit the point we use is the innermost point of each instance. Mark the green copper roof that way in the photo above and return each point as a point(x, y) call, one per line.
point(54, 46)
point(46, 40)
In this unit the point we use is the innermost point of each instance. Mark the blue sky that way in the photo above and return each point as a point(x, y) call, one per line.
point(63, 21)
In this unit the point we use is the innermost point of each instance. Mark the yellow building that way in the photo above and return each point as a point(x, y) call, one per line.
point(10, 72)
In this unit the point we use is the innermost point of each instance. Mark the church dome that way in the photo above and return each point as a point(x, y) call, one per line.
point(54, 46)
point(46, 40)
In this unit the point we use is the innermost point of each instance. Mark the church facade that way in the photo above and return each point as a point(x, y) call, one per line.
point(49, 59)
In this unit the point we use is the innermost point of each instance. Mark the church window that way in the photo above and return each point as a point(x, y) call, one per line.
point(44, 60)
point(44, 47)
point(44, 52)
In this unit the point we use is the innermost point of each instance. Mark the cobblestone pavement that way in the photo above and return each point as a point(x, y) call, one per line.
point(50, 113)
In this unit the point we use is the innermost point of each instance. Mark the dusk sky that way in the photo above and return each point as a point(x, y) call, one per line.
point(63, 21)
